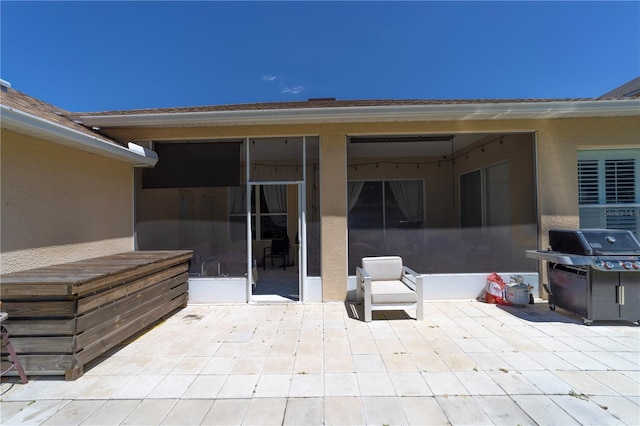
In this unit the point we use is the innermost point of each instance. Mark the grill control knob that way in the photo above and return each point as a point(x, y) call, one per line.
point(636, 264)
point(627, 265)
point(608, 265)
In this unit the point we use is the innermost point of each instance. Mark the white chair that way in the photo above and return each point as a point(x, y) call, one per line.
point(384, 283)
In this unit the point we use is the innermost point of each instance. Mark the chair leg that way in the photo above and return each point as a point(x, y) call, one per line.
point(420, 311)
point(13, 357)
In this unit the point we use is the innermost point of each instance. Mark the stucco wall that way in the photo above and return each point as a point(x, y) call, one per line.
point(60, 204)
point(557, 142)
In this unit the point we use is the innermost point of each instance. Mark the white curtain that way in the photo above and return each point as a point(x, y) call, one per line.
point(353, 192)
point(408, 194)
point(276, 199)
point(237, 198)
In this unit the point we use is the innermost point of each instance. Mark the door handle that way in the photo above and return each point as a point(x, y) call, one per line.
point(620, 294)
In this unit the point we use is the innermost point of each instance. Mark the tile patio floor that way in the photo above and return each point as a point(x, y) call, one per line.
point(466, 363)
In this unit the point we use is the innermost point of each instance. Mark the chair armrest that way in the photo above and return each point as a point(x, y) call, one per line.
point(413, 280)
point(363, 285)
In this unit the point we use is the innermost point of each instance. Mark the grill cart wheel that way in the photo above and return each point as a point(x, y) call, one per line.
point(552, 307)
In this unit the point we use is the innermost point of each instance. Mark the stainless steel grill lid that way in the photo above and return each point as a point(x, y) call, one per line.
point(594, 242)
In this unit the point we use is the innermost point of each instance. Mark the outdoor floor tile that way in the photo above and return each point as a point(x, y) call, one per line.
point(618, 382)
point(548, 382)
point(375, 384)
point(582, 382)
point(74, 413)
point(444, 383)
point(457, 360)
point(265, 412)
point(304, 411)
point(488, 361)
point(383, 410)
point(226, 412)
point(9, 409)
point(623, 409)
point(188, 412)
point(306, 364)
point(549, 361)
point(478, 383)
point(543, 410)
point(139, 387)
point(423, 411)
point(306, 385)
point(113, 412)
point(343, 411)
point(612, 361)
point(429, 362)
point(503, 411)
point(219, 365)
point(585, 411)
point(409, 384)
point(205, 386)
point(273, 386)
point(279, 364)
point(239, 386)
point(38, 411)
point(248, 365)
point(106, 387)
point(371, 363)
point(172, 386)
point(337, 363)
point(341, 384)
point(463, 410)
point(150, 412)
point(513, 383)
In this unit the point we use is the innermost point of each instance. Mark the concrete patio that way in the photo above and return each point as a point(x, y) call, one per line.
point(466, 363)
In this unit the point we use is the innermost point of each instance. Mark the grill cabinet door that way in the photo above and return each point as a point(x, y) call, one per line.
point(631, 308)
point(604, 295)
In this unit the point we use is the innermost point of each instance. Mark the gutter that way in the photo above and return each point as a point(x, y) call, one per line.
point(21, 122)
point(440, 112)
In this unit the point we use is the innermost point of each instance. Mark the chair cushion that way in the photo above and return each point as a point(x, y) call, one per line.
point(392, 291)
point(383, 268)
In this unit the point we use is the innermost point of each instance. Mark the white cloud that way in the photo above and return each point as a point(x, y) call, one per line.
point(282, 84)
point(294, 89)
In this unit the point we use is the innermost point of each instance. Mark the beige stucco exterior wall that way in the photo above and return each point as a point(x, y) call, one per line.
point(60, 204)
point(557, 142)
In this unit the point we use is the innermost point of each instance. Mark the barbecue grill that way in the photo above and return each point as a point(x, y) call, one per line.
point(594, 273)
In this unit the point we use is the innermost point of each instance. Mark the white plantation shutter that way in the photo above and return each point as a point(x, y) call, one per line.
point(620, 181)
point(588, 182)
point(609, 189)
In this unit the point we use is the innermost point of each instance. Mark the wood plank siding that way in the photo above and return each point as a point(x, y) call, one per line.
point(62, 317)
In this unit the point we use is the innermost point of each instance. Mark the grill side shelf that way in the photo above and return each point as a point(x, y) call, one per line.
point(557, 257)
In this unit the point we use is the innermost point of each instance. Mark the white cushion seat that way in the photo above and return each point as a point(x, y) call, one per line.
point(384, 283)
point(393, 291)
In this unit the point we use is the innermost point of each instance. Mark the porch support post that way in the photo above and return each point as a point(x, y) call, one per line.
point(333, 216)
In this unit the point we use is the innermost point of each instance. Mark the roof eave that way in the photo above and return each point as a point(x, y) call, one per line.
point(22, 122)
point(454, 111)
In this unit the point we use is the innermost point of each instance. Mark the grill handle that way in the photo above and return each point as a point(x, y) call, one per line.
point(620, 294)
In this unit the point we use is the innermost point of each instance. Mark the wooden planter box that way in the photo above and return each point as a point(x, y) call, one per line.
point(63, 316)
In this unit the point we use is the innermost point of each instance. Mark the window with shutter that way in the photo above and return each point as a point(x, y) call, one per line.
point(609, 189)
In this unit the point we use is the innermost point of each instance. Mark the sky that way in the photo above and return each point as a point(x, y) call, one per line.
point(94, 56)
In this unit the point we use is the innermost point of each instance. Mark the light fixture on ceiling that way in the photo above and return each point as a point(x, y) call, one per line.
point(400, 139)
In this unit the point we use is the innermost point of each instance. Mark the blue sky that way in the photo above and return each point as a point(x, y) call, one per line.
point(92, 56)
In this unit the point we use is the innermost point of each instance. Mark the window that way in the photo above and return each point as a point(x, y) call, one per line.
point(268, 212)
point(392, 204)
point(485, 198)
point(609, 189)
